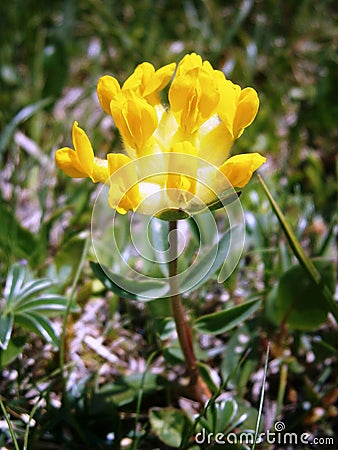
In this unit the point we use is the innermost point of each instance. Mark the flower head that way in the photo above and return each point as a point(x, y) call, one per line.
point(172, 154)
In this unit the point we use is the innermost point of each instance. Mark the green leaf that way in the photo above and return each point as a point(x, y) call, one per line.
point(15, 279)
point(126, 389)
point(14, 348)
point(164, 328)
point(204, 371)
point(172, 214)
point(38, 324)
point(303, 259)
point(160, 307)
point(67, 259)
point(222, 416)
point(169, 425)
point(231, 365)
point(220, 322)
point(24, 114)
point(213, 259)
point(132, 289)
point(31, 288)
point(299, 301)
point(159, 238)
point(47, 304)
point(225, 199)
point(16, 240)
point(6, 326)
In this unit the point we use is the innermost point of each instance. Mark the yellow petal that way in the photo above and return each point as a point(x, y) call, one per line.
point(107, 88)
point(124, 194)
point(139, 79)
point(239, 168)
point(182, 172)
point(189, 62)
point(135, 119)
point(229, 96)
point(247, 109)
point(67, 160)
point(215, 142)
point(146, 82)
point(83, 148)
point(159, 80)
point(100, 170)
point(193, 98)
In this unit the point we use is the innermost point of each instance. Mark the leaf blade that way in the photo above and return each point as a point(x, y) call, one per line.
point(220, 322)
point(302, 257)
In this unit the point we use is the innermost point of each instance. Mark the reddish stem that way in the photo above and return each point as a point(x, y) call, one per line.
point(200, 390)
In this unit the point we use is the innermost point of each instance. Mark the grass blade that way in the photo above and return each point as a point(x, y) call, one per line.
point(10, 426)
point(303, 259)
point(260, 409)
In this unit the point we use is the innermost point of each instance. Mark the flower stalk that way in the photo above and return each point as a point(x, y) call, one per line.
point(199, 390)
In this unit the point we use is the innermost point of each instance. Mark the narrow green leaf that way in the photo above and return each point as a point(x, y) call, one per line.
point(303, 259)
point(31, 288)
point(15, 278)
point(159, 236)
point(39, 325)
point(22, 116)
point(6, 326)
point(220, 322)
point(67, 259)
point(204, 371)
point(9, 424)
point(132, 289)
point(225, 199)
point(260, 410)
point(14, 238)
point(213, 259)
point(47, 304)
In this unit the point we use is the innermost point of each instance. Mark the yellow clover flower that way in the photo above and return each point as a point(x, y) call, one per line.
point(172, 154)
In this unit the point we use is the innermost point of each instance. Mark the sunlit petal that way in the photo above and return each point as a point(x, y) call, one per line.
point(124, 192)
point(182, 172)
point(67, 160)
point(107, 88)
point(239, 168)
point(83, 148)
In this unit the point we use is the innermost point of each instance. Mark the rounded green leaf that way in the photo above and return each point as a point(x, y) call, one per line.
point(169, 425)
point(299, 301)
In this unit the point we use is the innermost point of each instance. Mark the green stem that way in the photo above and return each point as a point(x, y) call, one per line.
point(66, 314)
point(9, 424)
point(283, 376)
point(199, 389)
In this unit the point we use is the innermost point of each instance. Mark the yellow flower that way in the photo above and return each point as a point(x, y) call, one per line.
point(144, 81)
point(193, 94)
point(81, 162)
point(135, 119)
point(177, 157)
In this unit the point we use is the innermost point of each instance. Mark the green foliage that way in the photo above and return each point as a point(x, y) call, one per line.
point(27, 305)
point(51, 56)
point(222, 321)
point(169, 425)
point(298, 301)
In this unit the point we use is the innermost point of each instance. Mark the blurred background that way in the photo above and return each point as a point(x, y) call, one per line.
point(51, 56)
point(53, 53)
